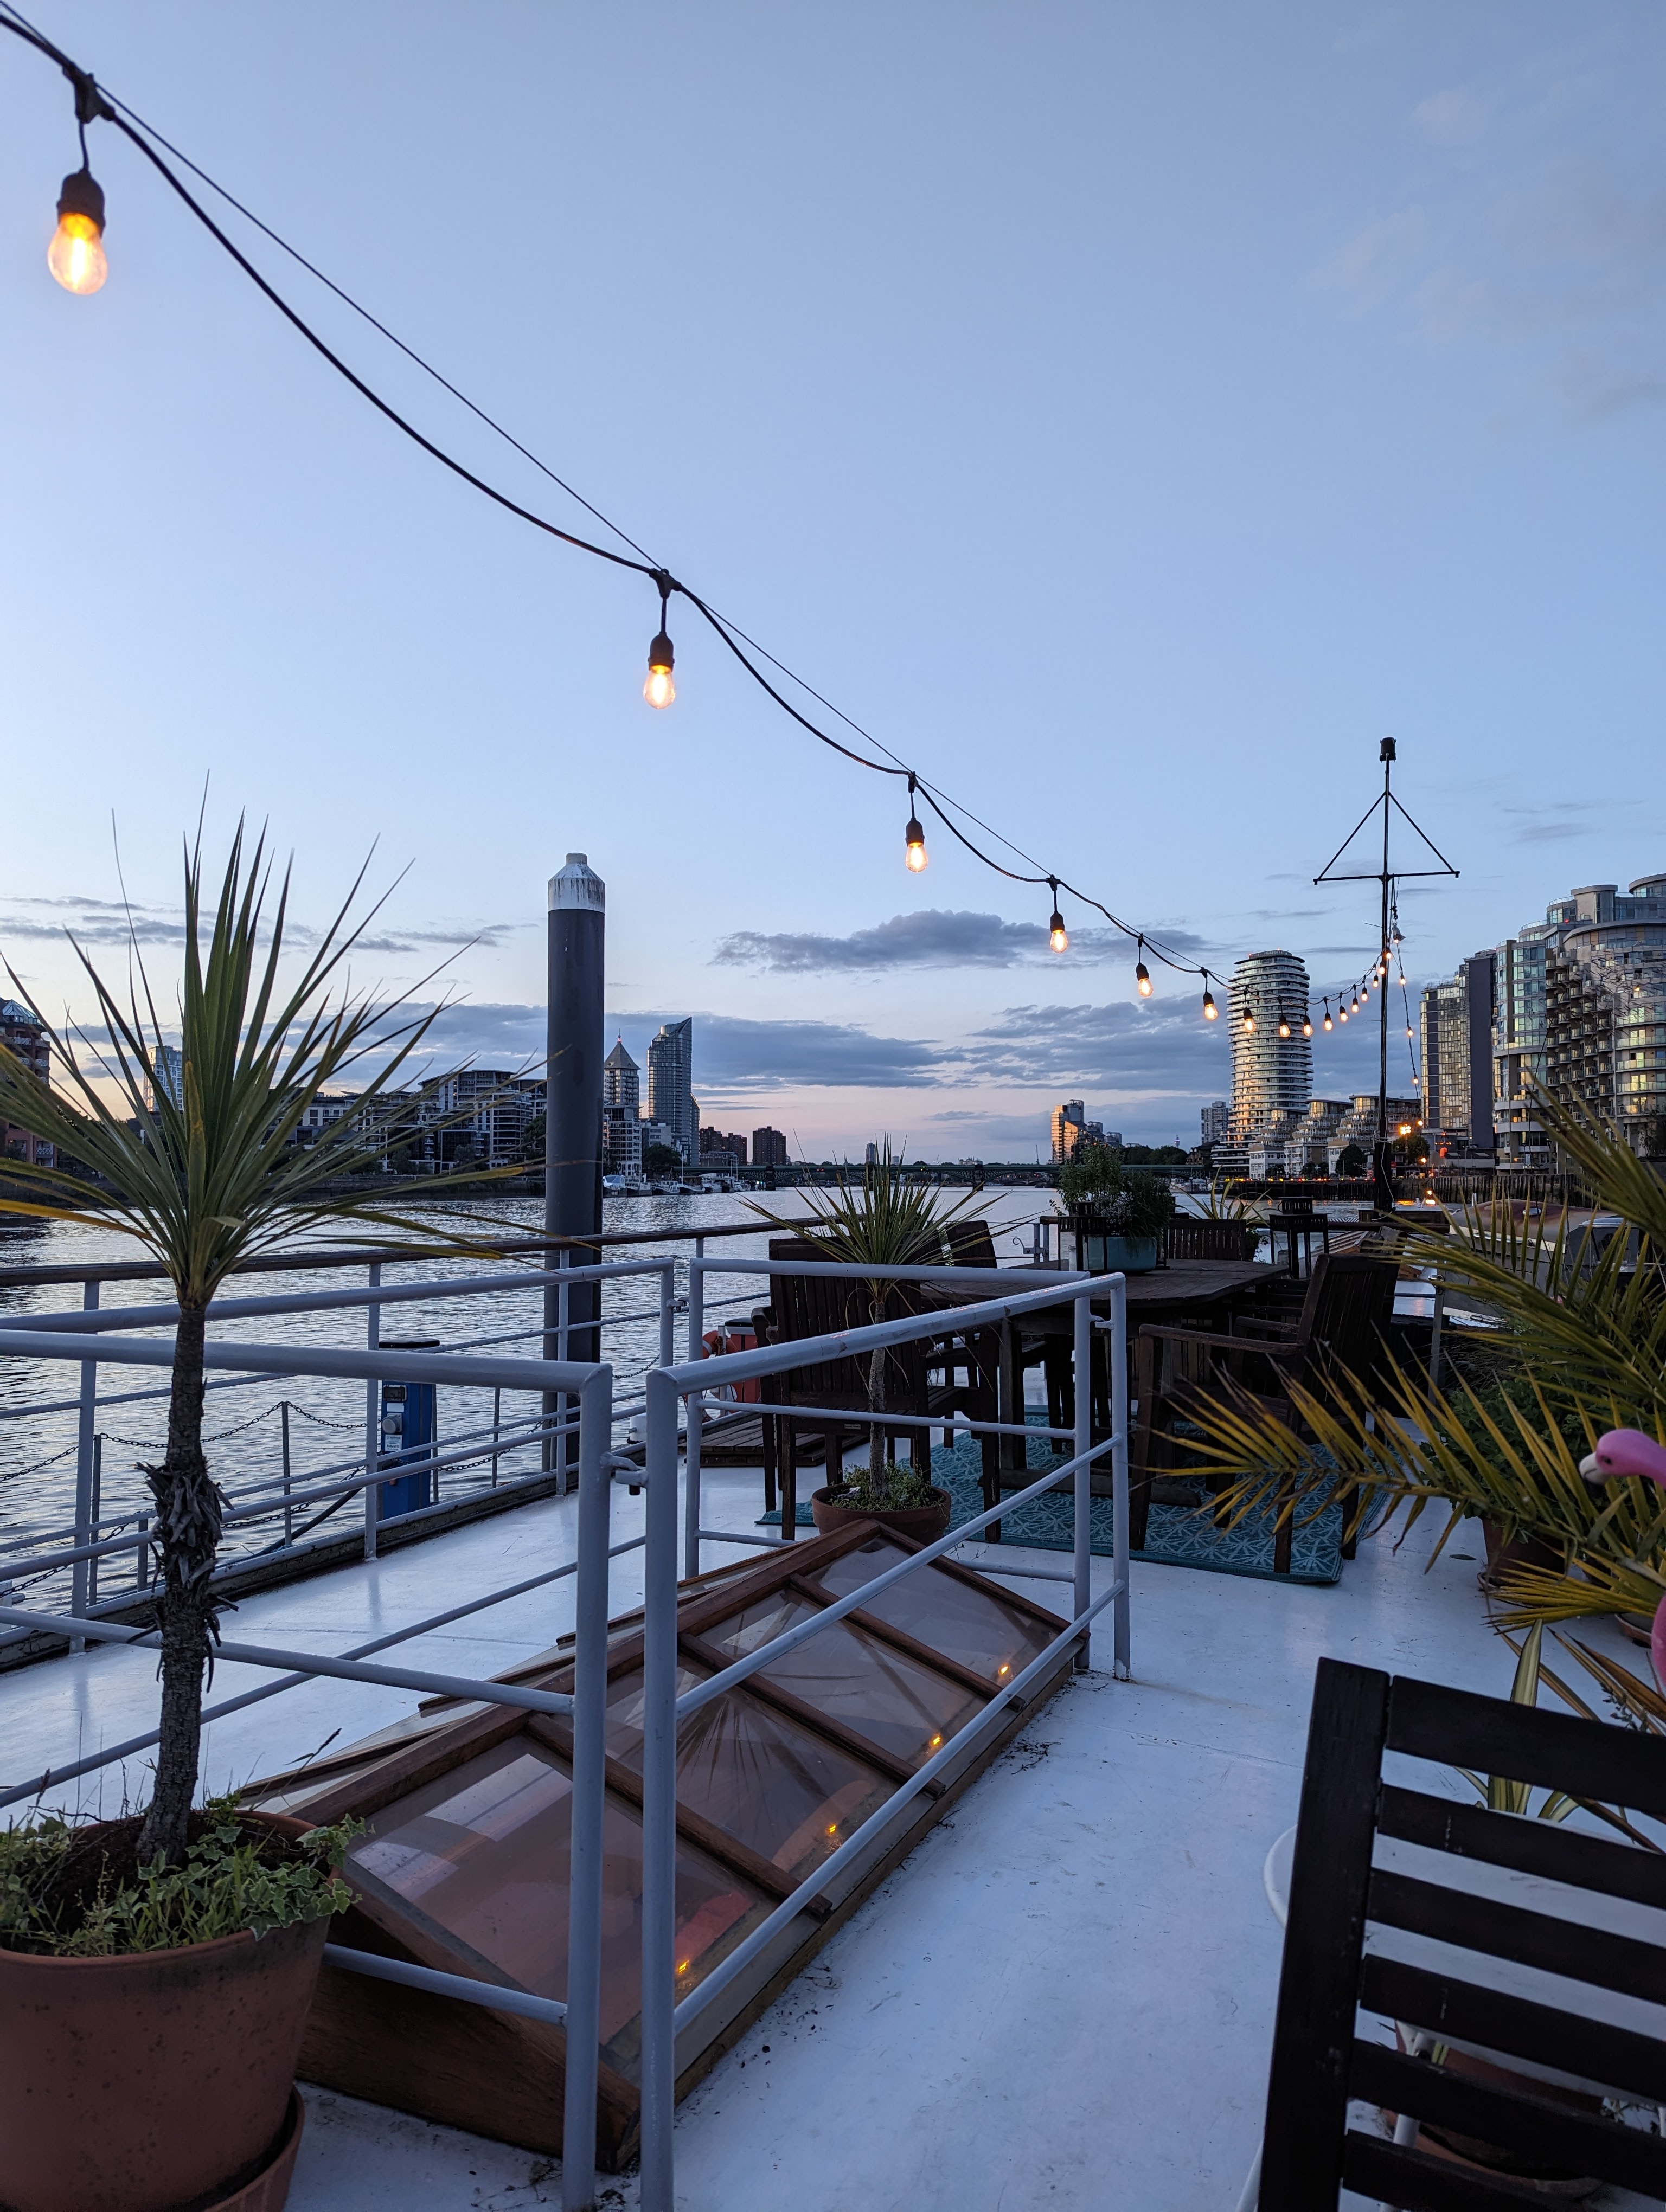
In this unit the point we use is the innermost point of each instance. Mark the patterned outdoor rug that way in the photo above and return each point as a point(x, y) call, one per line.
point(1175, 1535)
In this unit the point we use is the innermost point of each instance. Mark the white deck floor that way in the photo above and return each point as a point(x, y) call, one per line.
point(1063, 2000)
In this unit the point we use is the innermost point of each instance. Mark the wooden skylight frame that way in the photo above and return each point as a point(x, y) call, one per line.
point(502, 2075)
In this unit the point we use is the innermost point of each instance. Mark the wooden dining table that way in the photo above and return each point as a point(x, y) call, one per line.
point(1207, 1289)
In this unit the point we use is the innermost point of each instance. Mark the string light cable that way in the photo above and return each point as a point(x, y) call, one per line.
point(81, 214)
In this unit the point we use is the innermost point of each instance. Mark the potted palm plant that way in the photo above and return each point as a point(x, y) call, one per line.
point(155, 1972)
point(1117, 1215)
point(888, 1219)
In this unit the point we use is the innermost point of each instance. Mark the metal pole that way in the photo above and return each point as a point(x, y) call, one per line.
point(372, 1337)
point(497, 1424)
point(96, 1519)
point(89, 1391)
point(1434, 1335)
point(288, 1510)
point(697, 1414)
point(660, 1800)
point(1082, 1369)
point(1121, 1608)
point(584, 1916)
point(564, 1316)
point(1384, 1180)
point(573, 1097)
point(667, 1312)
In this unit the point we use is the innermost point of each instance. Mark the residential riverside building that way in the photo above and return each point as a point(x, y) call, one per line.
point(169, 1062)
point(1457, 1019)
point(769, 1148)
point(1071, 1130)
point(671, 1087)
point(1579, 1007)
point(1216, 1122)
point(1358, 1126)
point(1271, 1073)
point(23, 1036)
point(731, 1142)
point(480, 1113)
point(621, 1120)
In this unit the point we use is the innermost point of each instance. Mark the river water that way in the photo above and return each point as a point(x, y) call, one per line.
point(246, 1420)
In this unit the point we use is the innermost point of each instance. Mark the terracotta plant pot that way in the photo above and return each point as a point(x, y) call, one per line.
point(921, 1522)
point(1532, 2174)
point(1504, 1553)
point(157, 2081)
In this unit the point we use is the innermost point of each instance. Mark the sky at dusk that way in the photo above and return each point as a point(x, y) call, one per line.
point(1129, 414)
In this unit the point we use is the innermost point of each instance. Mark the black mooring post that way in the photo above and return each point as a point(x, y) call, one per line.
point(573, 1111)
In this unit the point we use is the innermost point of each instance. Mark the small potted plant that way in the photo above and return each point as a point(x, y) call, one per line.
point(157, 1971)
point(890, 1218)
point(1116, 1215)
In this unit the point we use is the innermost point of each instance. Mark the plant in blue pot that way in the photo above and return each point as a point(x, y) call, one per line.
point(1117, 1215)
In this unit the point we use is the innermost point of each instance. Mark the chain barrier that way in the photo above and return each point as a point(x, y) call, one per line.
point(16, 1473)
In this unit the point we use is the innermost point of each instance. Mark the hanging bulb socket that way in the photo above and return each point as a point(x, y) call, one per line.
point(76, 256)
point(1141, 973)
point(914, 838)
point(660, 690)
point(1327, 1020)
point(1057, 936)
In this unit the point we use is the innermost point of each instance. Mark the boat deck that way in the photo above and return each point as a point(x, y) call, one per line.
point(1063, 1999)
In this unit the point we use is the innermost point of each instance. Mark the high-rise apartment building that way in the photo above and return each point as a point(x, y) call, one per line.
point(1216, 1122)
point(621, 1124)
point(729, 1143)
point(671, 1087)
point(769, 1148)
point(1580, 1007)
point(1072, 1129)
point(481, 1112)
point(1272, 1056)
point(1458, 1021)
point(169, 1063)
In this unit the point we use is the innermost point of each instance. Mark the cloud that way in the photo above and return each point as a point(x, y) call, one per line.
point(1455, 117)
point(92, 921)
point(1165, 1048)
point(1554, 820)
point(936, 937)
point(1368, 269)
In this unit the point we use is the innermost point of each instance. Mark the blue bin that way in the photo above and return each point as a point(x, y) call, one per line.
point(408, 1430)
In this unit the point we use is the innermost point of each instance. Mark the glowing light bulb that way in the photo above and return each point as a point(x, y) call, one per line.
point(1327, 1020)
point(76, 256)
point(1248, 1022)
point(1142, 981)
point(1307, 1025)
point(914, 837)
point(1284, 1029)
point(659, 689)
point(1356, 1006)
point(1057, 936)
point(1342, 1013)
point(1210, 1009)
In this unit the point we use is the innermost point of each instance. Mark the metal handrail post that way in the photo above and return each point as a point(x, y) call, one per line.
point(1119, 1472)
point(696, 1412)
point(1082, 1502)
point(668, 1313)
point(373, 1497)
point(88, 1419)
point(658, 2028)
point(564, 1404)
point(288, 1510)
point(95, 1521)
point(584, 1912)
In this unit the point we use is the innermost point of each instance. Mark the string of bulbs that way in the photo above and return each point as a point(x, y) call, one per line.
point(77, 259)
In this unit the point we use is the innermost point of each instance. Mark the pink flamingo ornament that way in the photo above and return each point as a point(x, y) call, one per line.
point(1625, 1452)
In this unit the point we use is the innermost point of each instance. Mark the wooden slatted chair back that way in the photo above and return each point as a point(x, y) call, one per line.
point(969, 1244)
point(1523, 1961)
point(1188, 1238)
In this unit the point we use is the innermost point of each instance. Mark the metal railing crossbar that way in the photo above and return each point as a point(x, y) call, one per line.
point(306, 1662)
point(360, 1363)
point(492, 1994)
point(113, 1752)
point(864, 1416)
point(81, 1320)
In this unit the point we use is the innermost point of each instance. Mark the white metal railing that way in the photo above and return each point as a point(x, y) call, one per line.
point(589, 1387)
point(693, 1380)
point(95, 1538)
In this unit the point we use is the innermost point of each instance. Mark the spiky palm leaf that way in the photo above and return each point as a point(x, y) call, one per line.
point(1583, 1327)
point(888, 1219)
point(205, 1181)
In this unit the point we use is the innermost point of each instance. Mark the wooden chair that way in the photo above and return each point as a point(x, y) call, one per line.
point(1508, 2045)
point(1343, 1325)
point(803, 1306)
point(1187, 1237)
